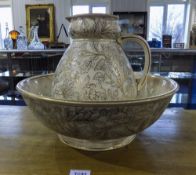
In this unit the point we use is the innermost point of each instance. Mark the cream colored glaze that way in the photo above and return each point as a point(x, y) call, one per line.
point(40, 86)
point(97, 125)
point(95, 67)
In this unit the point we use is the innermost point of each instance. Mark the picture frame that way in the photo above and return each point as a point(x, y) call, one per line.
point(41, 15)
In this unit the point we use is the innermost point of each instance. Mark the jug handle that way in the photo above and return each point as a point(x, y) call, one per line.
point(147, 54)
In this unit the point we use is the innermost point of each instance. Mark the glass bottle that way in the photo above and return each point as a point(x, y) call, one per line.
point(1, 39)
point(21, 40)
point(8, 43)
point(35, 43)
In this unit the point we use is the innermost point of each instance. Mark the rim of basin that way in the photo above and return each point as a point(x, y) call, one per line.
point(168, 93)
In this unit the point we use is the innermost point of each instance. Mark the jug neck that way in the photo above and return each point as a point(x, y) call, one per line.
point(94, 39)
point(94, 27)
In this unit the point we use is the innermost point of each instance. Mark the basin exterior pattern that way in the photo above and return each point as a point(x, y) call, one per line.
point(97, 123)
point(97, 126)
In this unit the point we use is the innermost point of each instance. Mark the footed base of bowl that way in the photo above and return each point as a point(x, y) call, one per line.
point(96, 145)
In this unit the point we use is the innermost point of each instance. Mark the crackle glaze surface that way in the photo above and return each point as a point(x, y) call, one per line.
point(97, 121)
point(94, 67)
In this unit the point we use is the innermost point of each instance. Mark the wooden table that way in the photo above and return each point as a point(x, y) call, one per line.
point(166, 148)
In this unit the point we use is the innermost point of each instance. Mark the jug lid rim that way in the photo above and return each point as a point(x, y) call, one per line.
point(90, 15)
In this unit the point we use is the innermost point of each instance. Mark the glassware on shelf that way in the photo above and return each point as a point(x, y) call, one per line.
point(35, 44)
point(22, 43)
point(8, 43)
point(1, 39)
point(14, 35)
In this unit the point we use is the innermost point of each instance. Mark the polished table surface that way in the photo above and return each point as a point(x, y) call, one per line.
point(27, 147)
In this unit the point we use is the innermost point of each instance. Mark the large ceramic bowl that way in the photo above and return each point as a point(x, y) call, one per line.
point(97, 125)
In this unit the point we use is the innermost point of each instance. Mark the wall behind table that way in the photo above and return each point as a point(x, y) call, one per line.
point(128, 5)
point(62, 9)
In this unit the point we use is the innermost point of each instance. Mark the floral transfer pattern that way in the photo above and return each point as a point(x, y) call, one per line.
point(94, 71)
point(94, 27)
point(97, 123)
point(94, 67)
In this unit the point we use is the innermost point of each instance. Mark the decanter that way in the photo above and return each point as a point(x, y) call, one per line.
point(1, 39)
point(21, 40)
point(8, 43)
point(35, 44)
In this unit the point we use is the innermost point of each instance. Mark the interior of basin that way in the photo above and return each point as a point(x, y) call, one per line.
point(40, 87)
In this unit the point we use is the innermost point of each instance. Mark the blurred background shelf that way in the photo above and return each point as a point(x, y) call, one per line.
point(170, 63)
